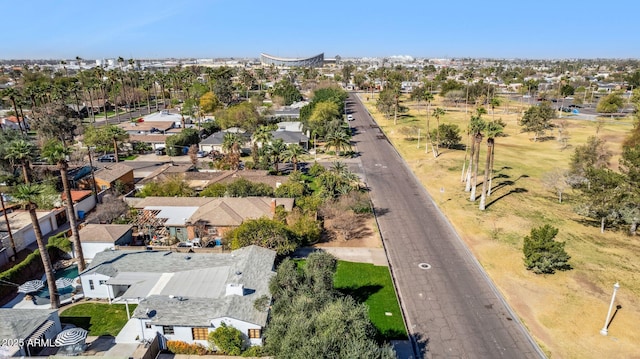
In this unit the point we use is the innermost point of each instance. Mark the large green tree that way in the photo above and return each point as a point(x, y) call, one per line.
point(611, 103)
point(537, 119)
point(263, 232)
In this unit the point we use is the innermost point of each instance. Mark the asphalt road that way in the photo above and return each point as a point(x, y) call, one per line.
point(451, 307)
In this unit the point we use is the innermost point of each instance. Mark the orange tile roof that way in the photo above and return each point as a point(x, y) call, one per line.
point(77, 196)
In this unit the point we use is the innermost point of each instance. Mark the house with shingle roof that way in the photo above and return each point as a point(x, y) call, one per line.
point(108, 176)
point(101, 237)
point(185, 218)
point(184, 296)
point(24, 332)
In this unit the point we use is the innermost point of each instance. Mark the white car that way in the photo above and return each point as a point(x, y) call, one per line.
point(350, 118)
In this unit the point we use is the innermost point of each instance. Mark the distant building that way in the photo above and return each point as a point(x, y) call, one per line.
point(313, 61)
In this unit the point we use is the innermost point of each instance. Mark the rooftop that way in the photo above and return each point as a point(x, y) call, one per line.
point(112, 172)
point(103, 232)
point(21, 323)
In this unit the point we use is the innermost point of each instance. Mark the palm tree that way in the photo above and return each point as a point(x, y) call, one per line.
point(22, 152)
point(116, 135)
point(14, 96)
point(339, 140)
point(292, 153)
point(477, 126)
point(492, 129)
point(231, 144)
point(437, 113)
point(495, 102)
point(275, 150)
point(56, 153)
point(25, 194)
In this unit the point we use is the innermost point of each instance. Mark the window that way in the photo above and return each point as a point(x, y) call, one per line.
point(147, 325)
point(200, 333)
point(91, 286)
point(102, 282)
point(167, 329)
point(254, 333)
point(212, 230)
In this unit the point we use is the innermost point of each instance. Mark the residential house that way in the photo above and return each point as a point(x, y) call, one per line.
point(22, 226)
point(100, 237)
point(15, 123)
point(184, 296)
point(83, 202)
point(164, 172)
point(290, 138)
point(108, 176)
point(177, 119)
point(156, 140)
point(292, 126)
point(185, 218)
point(214, 141)
point(24, 332)
point(146, 127)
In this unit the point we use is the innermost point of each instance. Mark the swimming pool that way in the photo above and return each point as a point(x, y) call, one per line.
point(69, 272)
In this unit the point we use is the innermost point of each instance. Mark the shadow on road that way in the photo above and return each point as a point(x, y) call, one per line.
point(381, 211)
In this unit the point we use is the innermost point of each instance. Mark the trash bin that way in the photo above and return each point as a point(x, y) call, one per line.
point(80, 214)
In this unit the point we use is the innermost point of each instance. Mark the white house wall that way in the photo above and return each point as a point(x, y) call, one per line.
point(100, 290)
point(85, 205)
point(90, 249)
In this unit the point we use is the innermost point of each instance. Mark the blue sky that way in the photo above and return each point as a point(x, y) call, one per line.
point(141, 29)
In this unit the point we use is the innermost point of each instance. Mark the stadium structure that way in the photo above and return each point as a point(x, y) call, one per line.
point(313, 61)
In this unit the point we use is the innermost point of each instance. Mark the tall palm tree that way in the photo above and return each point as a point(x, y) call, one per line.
point(292, 153)
point(437, 113)
point(231, 144)
point(492, 130)
point(26, 194)
point(477, 127)
point(275, 150)
point(116, 135)
point(22, 152)
point(261, 137)
point(339, 140)
point(56, 153)
point(14, 95)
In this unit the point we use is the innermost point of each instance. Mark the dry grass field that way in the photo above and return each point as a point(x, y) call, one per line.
point(564, 312)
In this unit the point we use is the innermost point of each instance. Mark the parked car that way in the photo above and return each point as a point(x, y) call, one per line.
point(107, 158)
point(161, 151)
point(202, 154)
point(350, 118)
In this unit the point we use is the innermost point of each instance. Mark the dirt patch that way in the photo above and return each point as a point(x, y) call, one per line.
point(585, 283)
point(366, 235)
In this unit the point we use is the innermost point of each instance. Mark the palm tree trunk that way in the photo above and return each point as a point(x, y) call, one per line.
point(15, 109)
point(115, 149)
point(474, 184)
point(25, 172)
point(71, 214)
point(493, 151)
point(472, 152)
point(46, 261)
point(485, 183)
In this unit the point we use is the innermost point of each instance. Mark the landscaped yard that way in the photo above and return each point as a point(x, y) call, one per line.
point(98, 318)
point(372, 285)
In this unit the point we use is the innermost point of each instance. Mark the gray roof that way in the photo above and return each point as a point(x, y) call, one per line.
point(289, 136)
point(21, 323)
point(200, 282)
point(217, 138)
point(103, 233)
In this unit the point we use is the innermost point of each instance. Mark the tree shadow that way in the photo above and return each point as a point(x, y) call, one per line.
point(420, 345)
point(379, 212)
point(515, 190)
point(362, 293)
point(81, 322)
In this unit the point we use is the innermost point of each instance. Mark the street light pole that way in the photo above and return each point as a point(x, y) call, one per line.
point(605, 330)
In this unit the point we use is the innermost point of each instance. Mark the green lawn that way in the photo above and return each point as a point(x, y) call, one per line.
point(98, 318)
point(372, 285)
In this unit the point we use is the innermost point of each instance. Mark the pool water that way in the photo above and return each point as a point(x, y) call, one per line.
point(69, 272)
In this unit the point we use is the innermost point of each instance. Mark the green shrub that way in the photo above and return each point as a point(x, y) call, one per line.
point(542, 254)
point(228, 340)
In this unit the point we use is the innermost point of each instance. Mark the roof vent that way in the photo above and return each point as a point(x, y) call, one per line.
point(238, 272)
point(166, 254)
point(235, 289)
point(187, 257)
